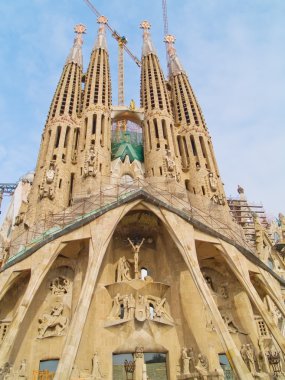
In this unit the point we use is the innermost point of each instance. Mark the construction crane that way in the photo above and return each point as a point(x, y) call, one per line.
point(122, 41)
point(6, 189)
point(165, 30)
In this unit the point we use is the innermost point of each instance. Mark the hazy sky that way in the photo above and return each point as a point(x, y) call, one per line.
point(232, 50)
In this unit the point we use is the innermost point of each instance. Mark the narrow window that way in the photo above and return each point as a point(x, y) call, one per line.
point(71, 189)
point(94, 122)
point(194, 150)
point(57, 137)
point(155, 128)
point(66, 137)
point(203, 190)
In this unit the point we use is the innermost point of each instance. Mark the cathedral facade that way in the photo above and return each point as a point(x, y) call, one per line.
point(125, 262)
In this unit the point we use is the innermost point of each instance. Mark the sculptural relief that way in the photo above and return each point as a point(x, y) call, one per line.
point(47, 188)
point(230, 323)
point(53, 323)
point(96, 368)
point(59, 286)
point(213, 181)
point(91, 162)
point(248, 355)
point(123, 270)
point(127, 307)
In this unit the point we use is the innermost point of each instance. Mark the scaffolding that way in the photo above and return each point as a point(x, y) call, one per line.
point(198, 210)
point(246, 214)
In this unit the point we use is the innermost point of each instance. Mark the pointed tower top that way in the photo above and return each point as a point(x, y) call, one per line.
point(75, 54)
point(148, 47)
point(175, 66)
point(101, 42)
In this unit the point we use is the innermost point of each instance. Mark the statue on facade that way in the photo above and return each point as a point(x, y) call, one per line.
point(202, 366)
point(89, 166)
point(123, 270)
point(59, 285)
point(96, 370)
point(185, 361)
point(136, 250)
point(53, 323)
point(213, 181)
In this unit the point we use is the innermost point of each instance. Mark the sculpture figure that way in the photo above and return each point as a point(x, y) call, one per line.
point(203, 366)
point(123, 270)
point(115, 312)
point(136, 249)
point(59, 285)
point(213, 181)
point(96, 370)
point(185, 361)
point(54, 323)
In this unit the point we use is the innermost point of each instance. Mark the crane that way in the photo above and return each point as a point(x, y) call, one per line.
point(165, 30)
point(6, 189)
point(122, 41)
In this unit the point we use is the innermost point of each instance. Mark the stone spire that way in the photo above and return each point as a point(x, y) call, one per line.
point(175, 66)
point(101, 41)
point(160, 145)
point(95, 137)
point(52, 187)
point(148, 47)
point(199, 166)
point(75, 54)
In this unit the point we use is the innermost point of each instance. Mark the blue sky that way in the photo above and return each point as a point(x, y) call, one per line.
point(232, 50)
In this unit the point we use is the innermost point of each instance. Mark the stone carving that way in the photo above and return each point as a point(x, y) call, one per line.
point(185, 361)
point(96, 370)
point(5, 371)
point(90, 165)
point(59, 286)
point(202, 366)
point(47, 188)
point(231, 325)
point(218, 199)
point(213, 181)
point(139, 352)
point(248, 355)
point(53, 323)
point(127, 307)
point(170, 167)
point(123, 270)
point(136, 249)
point(223, 292)
point(74, 157)
point(50, 174)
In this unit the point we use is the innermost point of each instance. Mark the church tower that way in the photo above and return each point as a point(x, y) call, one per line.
point(125, 262)
point(160, 145)
point(199, 167)
point(95, 138)
point(52, 185)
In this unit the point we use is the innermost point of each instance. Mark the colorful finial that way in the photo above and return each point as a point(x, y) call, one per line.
point(145, 25)
point(80, 29)
point(75, 54)
point(102, 20)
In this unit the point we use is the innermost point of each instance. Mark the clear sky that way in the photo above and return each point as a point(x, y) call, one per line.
point(232, 50)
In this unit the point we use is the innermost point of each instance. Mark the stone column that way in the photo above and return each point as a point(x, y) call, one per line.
point(183, 236)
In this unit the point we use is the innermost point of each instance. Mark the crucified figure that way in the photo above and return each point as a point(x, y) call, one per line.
point(136, 249)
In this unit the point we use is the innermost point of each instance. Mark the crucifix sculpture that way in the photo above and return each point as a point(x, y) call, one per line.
point(136, 249)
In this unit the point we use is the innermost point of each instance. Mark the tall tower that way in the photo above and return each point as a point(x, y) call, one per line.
point(52, 185)
point(160, 146)
point(199, 166)
point(95, 138)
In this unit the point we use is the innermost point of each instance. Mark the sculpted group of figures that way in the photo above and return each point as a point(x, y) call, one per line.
point(127, 307)
point(54, 322)
point(8, 373)
point(199, 366)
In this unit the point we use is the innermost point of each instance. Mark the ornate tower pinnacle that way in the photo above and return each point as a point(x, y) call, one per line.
point(175, 66)
point(148, 47)
point(101, 41)
point(75, 54)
